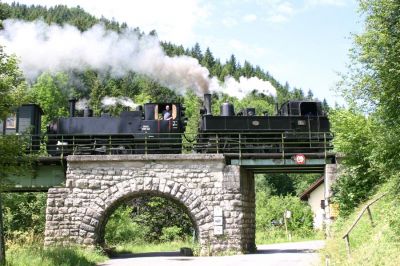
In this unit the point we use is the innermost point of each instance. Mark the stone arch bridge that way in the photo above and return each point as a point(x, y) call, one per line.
point(219, 198)
point(217, 193)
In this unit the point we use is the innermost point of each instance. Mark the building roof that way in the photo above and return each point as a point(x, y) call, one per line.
point(306, 194)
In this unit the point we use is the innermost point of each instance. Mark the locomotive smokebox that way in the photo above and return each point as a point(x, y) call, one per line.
point(207, 103)
point(72, 103)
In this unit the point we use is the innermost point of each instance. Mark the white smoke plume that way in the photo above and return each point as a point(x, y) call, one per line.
point(112, 101)
point(241, 88)
point(82, 104)
point(42, 47)
point(53, 48)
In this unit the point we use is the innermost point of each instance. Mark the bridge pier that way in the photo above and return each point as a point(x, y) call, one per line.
point(219, 198)
point(330, 176)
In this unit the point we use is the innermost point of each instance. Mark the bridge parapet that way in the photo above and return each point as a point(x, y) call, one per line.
point(219, 198)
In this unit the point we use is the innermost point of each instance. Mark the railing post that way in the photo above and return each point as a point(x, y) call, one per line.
point(283, 146)
point(325, 153)
point(62, 146)
point(145, 143)
point(73, 145)
point(240, 146)
point(30, 148)
point(347, 240)
point(370, 216)
point(109, 145)
point(217, 142)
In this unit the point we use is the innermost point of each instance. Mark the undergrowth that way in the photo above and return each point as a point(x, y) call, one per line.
point(279, 236)
point(27, 249)
point(60, 256)
point(369, 245)
point(134, 247)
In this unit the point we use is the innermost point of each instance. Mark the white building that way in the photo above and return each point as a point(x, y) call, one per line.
point(315, 196)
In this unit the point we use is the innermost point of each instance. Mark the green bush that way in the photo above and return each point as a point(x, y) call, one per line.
point(24, 212)
point(157, 213)
point(360, 140)
point(272, 208)
point(120, 228)
point(171, 233)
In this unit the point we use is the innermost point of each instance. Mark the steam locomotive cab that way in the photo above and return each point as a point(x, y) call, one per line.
point(161, 132)
point(154, 121)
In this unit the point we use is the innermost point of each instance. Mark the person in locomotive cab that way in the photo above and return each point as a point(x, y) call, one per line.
point(167, 115)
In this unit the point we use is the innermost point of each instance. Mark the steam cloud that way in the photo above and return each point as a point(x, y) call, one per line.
point(242, 87)
point(42, 47)
point(112, 101)
point(82, 104)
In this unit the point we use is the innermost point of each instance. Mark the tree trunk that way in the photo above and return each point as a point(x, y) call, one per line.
point(2, 244)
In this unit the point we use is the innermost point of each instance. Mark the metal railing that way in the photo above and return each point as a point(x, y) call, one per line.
point(346, 236)
point(274, 144)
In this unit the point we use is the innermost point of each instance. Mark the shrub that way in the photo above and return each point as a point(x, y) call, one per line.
point(121, 228)
point(171, 233)
point(24, 212)
point(272, 208)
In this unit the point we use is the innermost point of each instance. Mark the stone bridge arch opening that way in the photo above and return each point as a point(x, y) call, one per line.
point(101, 229)
point(98, 213)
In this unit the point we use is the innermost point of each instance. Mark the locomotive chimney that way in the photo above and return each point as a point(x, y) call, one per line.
point(72, 103)
point(207, 103)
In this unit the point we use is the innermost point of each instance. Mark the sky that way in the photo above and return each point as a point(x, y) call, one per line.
point(302, 42)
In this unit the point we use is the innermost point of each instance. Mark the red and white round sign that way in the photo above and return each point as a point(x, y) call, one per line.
point(300, 159)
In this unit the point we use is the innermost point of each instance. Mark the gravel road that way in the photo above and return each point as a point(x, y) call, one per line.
point(299, 253)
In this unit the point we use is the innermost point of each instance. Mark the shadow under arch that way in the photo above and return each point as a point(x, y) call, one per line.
point(113, 197)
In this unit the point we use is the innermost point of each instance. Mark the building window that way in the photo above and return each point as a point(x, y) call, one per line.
point(11, 122)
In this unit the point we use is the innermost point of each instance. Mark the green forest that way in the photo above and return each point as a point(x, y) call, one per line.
point(366, 134)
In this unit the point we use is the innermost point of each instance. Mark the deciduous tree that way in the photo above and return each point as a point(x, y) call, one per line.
point(12, 87)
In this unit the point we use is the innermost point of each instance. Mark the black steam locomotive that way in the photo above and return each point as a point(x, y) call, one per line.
point(141, 131)
point(298, 126)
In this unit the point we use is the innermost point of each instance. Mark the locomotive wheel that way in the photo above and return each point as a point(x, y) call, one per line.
point(121, 149)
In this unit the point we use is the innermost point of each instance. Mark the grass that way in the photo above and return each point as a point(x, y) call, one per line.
point(279, 236)
point(153, 247)
point(26, 248)
point(60, 256)
point(370, 245)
